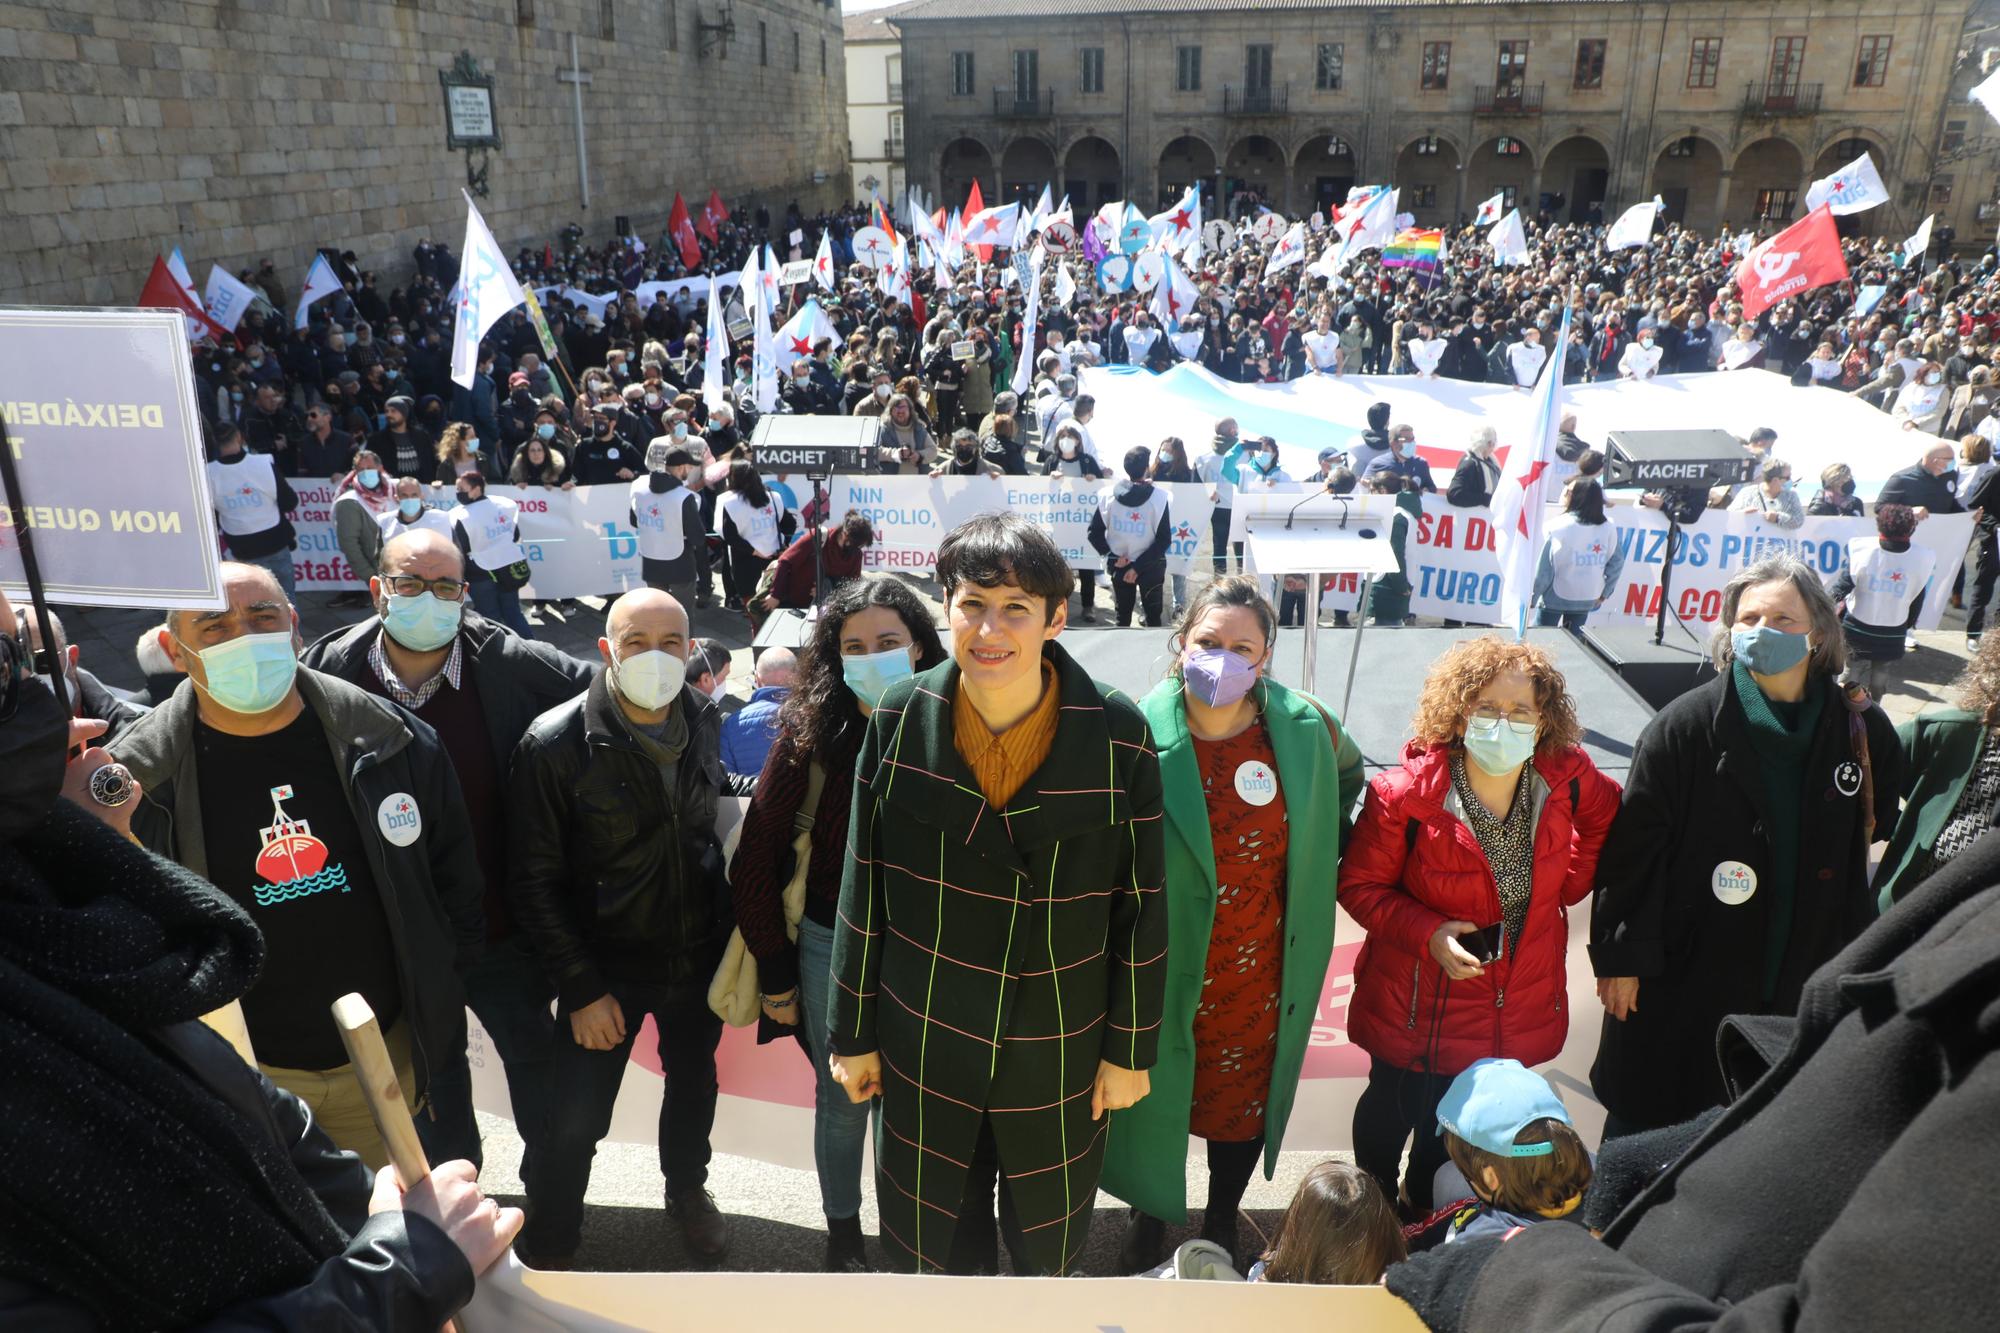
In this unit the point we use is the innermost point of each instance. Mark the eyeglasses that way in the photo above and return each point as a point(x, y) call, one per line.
point(408, 585)
point(1523, 720)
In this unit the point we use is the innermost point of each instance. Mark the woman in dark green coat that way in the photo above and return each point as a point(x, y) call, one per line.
point(1258, 785)
point(1951, 780)
point(998, 962)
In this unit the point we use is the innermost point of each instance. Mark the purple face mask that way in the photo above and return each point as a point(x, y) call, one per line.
point(1217, 676)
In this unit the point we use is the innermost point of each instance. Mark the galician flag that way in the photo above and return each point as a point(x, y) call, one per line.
point(1634, 226)
point(715, 347)
point(1065, 286)
point(1174, 296)
point(801, 331)
point(823, 262)
point(321, 282)
point(1509, 240)
point(1855, 188)
point(763, 361)
point(1520, 501)
point(1291, 249)
point(487, 290)
point(1918, 245)
point(1489, 212)
point(1173, 229)
point(992, 226)
point(1024, 366)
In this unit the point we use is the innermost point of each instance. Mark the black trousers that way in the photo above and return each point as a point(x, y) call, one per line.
point(1396, 1104)
point(1985, 571)
point(1147, 595)
point(1218, 535)
point(975, 1244)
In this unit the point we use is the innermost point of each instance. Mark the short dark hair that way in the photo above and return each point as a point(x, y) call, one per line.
point(705, 658)
point(1137, 459)
point(1895, 521)
point(993, 549)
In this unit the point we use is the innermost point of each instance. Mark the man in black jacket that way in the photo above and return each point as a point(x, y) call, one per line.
point(616, 877)
point(1846, 1186)
point(334, 818)
point(174, 1185)
point(1924, 486)
point(479, 687)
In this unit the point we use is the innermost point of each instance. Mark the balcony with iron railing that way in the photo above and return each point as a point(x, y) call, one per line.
point(1270, 100)
point(1782, 99)
point(1507, 99)
point(892, 149)
point(1014, 103)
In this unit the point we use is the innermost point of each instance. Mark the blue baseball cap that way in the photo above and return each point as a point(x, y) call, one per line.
point(1494, 1100)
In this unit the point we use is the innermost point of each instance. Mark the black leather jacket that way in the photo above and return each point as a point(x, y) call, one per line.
point(611, 876)
point(398, 1272)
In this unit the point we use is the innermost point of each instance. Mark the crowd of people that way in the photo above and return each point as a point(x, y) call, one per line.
point(1050, 930)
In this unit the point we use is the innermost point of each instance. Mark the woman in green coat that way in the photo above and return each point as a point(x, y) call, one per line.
point(1250, 772)
point(1951, 780)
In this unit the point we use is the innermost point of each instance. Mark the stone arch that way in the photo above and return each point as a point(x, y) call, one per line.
point(1431, 182)
point(1256, 163)
point(1576, 177)
point(1715, 141)
point(1488, 172)
point(1027, 163)
point(1878, 144)
point(962, 161)
point(1836, 152)
point(1685, 173)
point(1766, 183)
point(1091, 173)
point(1187, 160)
point(1324, 168)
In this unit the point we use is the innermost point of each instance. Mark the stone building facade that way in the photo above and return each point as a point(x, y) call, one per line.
point(241, 129)
point(1579, 107)
point(875, 103)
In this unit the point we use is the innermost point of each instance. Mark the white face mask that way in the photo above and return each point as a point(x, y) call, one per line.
point(720, 692)
point(649, 680)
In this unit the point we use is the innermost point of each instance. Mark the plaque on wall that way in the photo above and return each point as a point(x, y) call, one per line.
point(469, 117)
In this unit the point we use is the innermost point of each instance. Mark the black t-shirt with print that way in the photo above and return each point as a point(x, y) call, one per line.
point(282, 842)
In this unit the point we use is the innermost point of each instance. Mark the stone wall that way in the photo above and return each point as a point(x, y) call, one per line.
point(241, 129)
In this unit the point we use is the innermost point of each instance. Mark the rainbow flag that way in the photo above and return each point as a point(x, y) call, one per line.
point(1414, 247)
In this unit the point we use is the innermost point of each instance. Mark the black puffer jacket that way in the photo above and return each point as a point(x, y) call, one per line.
point(611, 875)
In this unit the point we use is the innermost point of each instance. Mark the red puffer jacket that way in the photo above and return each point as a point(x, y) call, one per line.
point(1411, 866)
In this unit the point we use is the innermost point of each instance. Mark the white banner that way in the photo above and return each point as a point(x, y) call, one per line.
point(581, 543)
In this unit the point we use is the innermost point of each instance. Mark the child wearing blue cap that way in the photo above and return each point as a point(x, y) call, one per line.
point(1507, 1132)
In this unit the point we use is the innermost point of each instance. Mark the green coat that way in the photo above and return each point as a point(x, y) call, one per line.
point(1940, 751)
point(995, 957)
point(1146, 1161)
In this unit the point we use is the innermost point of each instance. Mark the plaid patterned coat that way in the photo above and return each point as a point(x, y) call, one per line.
point(995, 957)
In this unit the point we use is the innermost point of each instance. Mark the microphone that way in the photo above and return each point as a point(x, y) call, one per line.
point(1327, 489)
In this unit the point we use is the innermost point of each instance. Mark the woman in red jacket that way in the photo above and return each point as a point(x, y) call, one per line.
point(1489, 829)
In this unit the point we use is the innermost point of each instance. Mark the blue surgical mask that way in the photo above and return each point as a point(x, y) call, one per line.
point(1769, 652)
point(870, 674)
point(1499, 746)
point(251, 674)
point(546, 430)
point(422, 623)
point(409, 509)
point(369, 477)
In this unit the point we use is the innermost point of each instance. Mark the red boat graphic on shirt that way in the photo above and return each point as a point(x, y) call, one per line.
point(293, 861)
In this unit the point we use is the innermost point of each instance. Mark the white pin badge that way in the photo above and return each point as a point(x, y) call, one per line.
point(1847, 778)
point(1733, 883)
point(398, 818)
point(1256, 783)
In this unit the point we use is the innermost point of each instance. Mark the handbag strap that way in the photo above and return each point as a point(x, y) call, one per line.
point(802, 822)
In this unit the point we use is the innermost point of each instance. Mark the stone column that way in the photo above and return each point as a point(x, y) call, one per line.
point(1722, 199)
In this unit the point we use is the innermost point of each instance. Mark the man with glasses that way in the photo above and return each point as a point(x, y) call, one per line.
point(334, 818)
point(325, 451)
point(478, 687)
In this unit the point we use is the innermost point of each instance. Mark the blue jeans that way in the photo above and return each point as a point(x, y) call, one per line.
point(688, 1034)
point(1569, 620)
point(511, 994)
point(500, 604)
point(280, 565)
point(840, 1127)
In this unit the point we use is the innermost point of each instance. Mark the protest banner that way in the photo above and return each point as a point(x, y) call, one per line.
point(111, 468)
point(580, 542)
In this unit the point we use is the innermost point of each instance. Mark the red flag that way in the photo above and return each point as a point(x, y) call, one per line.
point(682, 230)
point(713, 214)
point(164, 292)
point(1803, 256)
point(918, 310)
point(974, 202)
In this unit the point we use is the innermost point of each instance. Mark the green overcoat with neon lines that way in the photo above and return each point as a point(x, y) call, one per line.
point(995, 957)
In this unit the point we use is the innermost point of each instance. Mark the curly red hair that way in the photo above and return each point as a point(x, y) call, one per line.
point(1468, 667)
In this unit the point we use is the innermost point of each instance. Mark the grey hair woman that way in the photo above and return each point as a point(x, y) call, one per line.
point(1739, 860)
